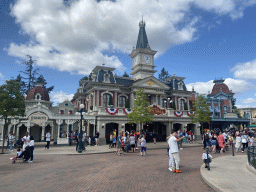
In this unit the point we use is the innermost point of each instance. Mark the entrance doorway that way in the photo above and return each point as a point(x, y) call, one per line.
point(130, 127)
point(191, 128)
point(176, 127)
point(22, 131)
point(158, 127)
point(36, 132)
point(110, 127)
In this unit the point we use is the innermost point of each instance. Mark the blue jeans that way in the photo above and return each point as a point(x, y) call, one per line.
point(31, 148)
point(11, 147)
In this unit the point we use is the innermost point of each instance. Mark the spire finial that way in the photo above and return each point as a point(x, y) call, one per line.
point(142, 18)
point(103, 63)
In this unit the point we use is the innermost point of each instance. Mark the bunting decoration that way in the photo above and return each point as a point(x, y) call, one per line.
point(190, 113)
point(111, 111)
point(178, 113)
point(127, 111)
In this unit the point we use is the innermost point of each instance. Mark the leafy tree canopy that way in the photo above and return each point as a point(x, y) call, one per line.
point(163, 74)
point(42, 80)
point(11, 102)
point(202, 112)
point(141, 110)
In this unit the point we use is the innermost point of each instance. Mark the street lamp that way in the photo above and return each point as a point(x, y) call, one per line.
point(81, 112)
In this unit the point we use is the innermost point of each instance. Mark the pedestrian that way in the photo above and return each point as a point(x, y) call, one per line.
point(84, 140)
point(238, 142)
point(31, 149)
point(169, 153)
point(89, 141)
point(119, 140)
point(214, 142)
point(132, 142)
point(251, 140)
point(11, 140)
point(175, 152)
point(97, 138)
point(207, 137)
point(221, 142)
point(154, 137)
point(48, 139)
point(110, 141)
point(143, 147)
point(206, 159)
point(77, 140)
point(26, 140)
point(70, 138)
point(244, 138)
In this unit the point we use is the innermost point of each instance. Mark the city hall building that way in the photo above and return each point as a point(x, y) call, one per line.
point(95, 94)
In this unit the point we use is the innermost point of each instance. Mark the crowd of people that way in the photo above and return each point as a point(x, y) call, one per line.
point(215, 140)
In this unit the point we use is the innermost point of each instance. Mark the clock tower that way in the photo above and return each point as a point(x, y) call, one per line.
point(143, 56)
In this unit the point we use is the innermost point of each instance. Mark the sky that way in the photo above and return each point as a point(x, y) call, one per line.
point(196, 39)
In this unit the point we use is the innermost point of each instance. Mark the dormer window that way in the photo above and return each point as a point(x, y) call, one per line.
point(61, 112)
point(106, 78)
point(180, 85)
point(70, 112)
point(38, 96)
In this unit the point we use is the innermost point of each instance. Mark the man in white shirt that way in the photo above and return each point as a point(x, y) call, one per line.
point(84, 139)
point(48, 139)
point(175, 152)
point(26, 140)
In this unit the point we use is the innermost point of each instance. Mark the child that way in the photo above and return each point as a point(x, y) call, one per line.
point(238, 142)
point(18, 155)
point(204, 157)
point(114, 142)
point(89, 141)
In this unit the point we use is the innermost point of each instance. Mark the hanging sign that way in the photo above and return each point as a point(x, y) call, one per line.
point(127, 111)
point(111, 111)
point(178, 113)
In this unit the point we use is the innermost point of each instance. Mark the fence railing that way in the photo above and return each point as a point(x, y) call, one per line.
point(251, 154)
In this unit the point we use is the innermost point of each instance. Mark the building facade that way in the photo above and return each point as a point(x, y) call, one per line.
point(170, 101)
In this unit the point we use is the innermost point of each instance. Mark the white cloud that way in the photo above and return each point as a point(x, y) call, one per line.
point(235, 85)
point(245, 70)
point(60, 96)
point(249, 100)
point(77, 37)
point(1, 76)
point(245, 106)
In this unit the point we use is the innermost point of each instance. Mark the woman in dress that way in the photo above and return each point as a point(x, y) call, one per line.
point(221, 142)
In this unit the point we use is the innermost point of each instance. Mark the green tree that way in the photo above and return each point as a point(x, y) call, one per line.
point(22, 84)
point(201, 111)
point(11, 103)
point(233, 102)
point(30, 74)
point(127, 104)
point(141, 110)
point(163, 75)
point(42, 80)
point(110, 102)
point(125, 74)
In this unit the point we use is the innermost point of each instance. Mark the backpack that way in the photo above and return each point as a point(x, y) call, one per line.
point(206, 136)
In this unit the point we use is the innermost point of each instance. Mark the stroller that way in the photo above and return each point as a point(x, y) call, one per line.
point(25, 155)
point(127, 148)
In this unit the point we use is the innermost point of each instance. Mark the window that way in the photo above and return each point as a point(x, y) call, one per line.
point(62, 112)
point(181, 104)
point(38, 97)
point(180, 85)
point(106, 100)
point(122, 100)
point(106, 77)
point(164, 103)
point(70, 112)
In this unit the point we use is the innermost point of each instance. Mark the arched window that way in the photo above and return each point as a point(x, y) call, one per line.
point(164, 103)
point(38, 97)
point(181, 104)
point(106, 100)
point(70, 112)
point(106, 77)
point(180, 85)
point(122, 100)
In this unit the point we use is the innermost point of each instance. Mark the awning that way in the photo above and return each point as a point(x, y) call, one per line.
point(251, 126)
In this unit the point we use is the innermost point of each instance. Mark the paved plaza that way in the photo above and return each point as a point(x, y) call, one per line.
point(104, 172)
